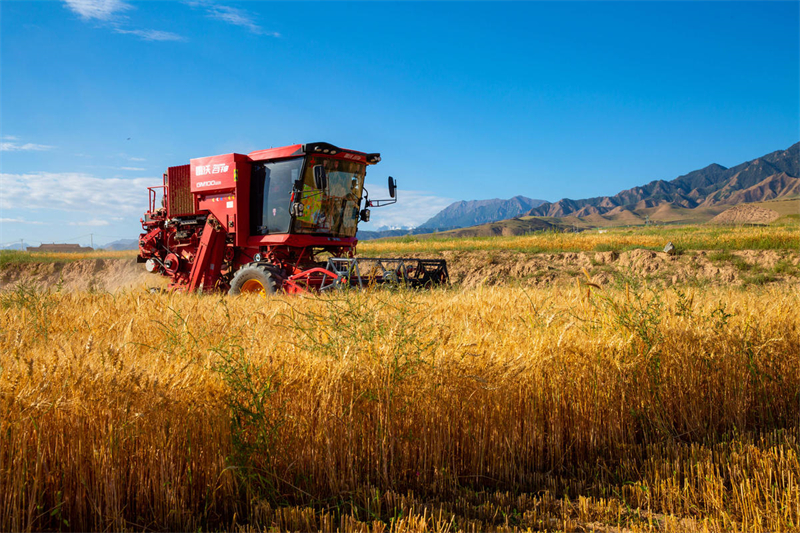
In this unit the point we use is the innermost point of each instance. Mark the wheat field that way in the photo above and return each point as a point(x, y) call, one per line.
point(685, 237)
point(568, 409)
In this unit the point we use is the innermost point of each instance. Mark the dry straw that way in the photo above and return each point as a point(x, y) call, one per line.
point(435, 411)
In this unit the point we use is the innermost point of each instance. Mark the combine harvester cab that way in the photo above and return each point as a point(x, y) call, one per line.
point(277, 219)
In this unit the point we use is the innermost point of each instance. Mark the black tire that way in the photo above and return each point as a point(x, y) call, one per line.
point(253, 279)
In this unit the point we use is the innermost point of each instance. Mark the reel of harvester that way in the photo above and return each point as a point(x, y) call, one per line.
point(370, 271)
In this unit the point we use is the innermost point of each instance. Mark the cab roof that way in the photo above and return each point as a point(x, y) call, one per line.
point(320, 148)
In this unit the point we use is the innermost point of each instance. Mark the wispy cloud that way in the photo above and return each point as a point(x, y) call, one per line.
point(108, 13)
point(95, 222)
point(137, 169)
point(103, 10)
point(20, 221)
point(10, 138)
point(152, 35)
point(237, 17)
point(74, 191)
point(27, 147)
point(137, 159)
point(232, 15)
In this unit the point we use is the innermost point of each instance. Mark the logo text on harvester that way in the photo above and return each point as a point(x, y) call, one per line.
point(200, 184)
point(202, 170)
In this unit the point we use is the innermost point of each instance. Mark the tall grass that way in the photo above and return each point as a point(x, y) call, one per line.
point(482, 409)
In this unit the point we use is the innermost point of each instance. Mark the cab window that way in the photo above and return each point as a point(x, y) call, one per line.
point(271, 190)
point(334, 208)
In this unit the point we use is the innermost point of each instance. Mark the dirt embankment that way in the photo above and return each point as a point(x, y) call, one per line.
point(749, 266)
point(107, 275)
point(470, 269)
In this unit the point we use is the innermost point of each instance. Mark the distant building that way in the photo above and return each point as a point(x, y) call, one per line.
point(60, 248)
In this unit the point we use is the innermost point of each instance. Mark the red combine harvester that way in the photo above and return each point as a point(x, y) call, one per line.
point(277, 219)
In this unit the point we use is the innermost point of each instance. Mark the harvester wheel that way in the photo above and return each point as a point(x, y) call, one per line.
point(253, 279)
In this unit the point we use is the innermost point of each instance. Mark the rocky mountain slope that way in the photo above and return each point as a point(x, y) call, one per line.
point(772, 176)
point(462, 214)
point(474, 212)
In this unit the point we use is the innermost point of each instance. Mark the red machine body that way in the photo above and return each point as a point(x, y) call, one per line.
point(283, 218)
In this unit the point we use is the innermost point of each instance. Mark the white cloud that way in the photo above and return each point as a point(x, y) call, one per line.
point(10, 138)
point(411, 210)
point(232, 15)
point(95, 222)
point(27, 147)
point(107, 13)
point(97, 9)
point(133, 168)
point(237, 17)
point(137, 159)
point(74, 191)
point(151, 35)
point(19, 221)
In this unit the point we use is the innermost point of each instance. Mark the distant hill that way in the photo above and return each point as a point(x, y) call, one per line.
point(379, 234)
point(746, 214)
point(15, 246)
point(775, 175)
point(505, 228)
point(474, 212)
point(123, 244)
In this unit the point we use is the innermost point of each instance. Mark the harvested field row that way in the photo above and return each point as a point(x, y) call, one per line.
point(471, 269)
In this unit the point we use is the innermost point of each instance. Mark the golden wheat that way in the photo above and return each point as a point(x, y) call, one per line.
point(782, 237)
point(486, 409)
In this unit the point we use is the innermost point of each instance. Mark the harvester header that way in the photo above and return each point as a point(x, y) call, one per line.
point(278, 219)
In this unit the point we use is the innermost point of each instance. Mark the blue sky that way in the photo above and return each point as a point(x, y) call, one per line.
point(464, 100)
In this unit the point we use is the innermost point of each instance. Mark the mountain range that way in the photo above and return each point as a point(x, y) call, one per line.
point(366, 235)
point(775, 175)
point(462, 214)
point(471, 213)
point(694, 197)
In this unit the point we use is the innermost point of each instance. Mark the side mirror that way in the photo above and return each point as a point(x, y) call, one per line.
point(320, 177)
point(392, 187)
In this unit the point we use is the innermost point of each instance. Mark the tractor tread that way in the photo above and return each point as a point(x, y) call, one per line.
point(262, 273)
